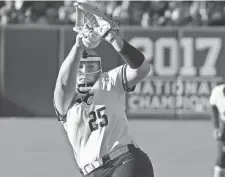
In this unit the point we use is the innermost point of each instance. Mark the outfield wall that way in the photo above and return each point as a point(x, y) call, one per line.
point(186, 64)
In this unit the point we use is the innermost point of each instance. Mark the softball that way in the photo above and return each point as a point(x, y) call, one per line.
point(93, 40)
point(94, 36)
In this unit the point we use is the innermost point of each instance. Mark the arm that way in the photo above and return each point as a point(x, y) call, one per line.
point(215, 112)
point(215, 116)
point(66, 81)
point(138, 67)
point(215, 122)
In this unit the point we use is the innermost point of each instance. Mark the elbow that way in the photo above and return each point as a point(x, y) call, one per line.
point(62, 99)
point(58, 100)
point(144, 69)
point(60, 104)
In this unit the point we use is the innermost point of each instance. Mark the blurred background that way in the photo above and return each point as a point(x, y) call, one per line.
point(169, 111)
point(135, 13)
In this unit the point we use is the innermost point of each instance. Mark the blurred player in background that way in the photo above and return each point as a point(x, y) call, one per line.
point(91, 106)
point(217, 102)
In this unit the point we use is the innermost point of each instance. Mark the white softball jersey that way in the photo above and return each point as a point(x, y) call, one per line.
point(96, 124)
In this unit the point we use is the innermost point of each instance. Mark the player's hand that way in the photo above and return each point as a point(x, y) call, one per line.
point(217, 134)
point(79, 42)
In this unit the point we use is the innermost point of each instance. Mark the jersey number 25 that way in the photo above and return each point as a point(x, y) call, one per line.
point(98, 114)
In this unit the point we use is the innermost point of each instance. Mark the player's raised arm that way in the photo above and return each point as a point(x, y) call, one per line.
point(137, 66)
point(66, 81)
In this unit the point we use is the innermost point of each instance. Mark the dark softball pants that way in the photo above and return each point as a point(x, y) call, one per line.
point(134, 163)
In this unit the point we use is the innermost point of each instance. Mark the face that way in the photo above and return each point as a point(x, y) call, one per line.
point(88, 72)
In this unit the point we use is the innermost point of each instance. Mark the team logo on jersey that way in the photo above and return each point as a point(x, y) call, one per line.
point(107, 83)
point(88, 98)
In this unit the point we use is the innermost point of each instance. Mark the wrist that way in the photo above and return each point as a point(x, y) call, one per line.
point(78, 47)
point(110, 35)
point(118, 43)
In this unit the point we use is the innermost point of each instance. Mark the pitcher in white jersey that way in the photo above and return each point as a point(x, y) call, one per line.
point(91, 106)
point(217, 102)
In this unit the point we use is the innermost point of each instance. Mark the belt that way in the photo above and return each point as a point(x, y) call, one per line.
point(111, 156)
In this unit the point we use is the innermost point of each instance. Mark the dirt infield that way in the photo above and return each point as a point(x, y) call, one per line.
point(39, 148)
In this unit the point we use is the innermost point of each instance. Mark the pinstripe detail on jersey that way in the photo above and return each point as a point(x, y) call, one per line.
point(124, 80)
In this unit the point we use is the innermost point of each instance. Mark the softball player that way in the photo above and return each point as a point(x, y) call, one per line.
point(91, 106)
point(217, 102)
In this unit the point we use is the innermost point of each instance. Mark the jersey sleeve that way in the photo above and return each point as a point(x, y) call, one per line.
point(119, 76)
point(213, 96)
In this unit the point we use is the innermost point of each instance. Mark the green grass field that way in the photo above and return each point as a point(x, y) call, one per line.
point(39, 148)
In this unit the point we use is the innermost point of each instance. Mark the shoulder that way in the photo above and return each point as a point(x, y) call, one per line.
point(216, 94)
point(115, 72)
point(112, 74)
point(218, 89)
point(110, 80)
